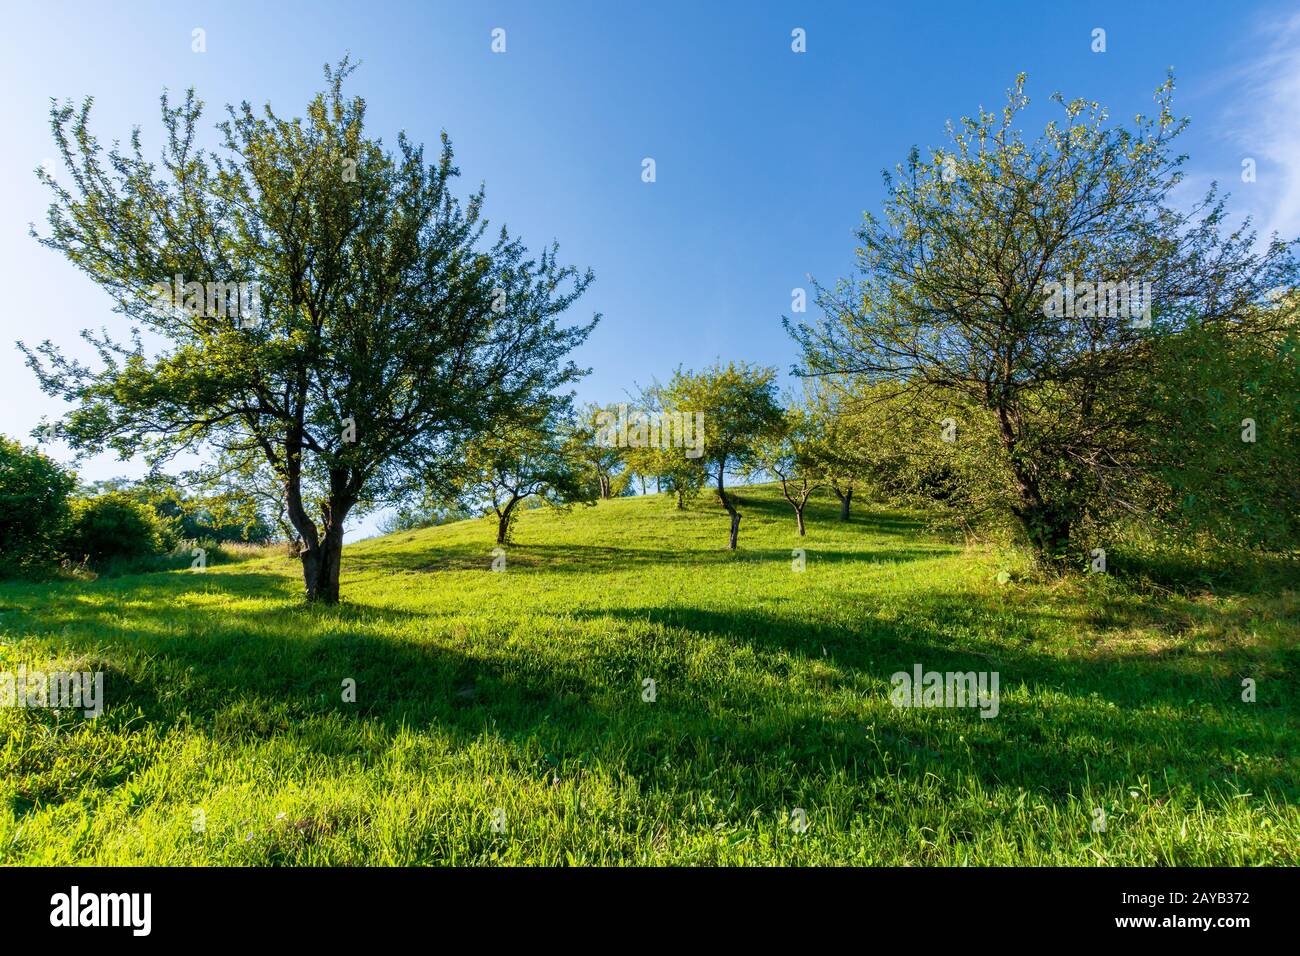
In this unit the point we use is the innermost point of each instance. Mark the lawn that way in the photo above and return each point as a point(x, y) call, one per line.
point(501, 717)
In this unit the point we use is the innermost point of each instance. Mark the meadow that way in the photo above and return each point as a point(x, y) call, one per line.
point(504, 717)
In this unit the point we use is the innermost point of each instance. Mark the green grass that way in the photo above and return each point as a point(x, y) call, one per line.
point(522, 691)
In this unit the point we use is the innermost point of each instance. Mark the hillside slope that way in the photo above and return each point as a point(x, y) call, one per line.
point(506, 716)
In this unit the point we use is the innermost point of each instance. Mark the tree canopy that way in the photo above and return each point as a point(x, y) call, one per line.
point(372, 329)
point(1027, 285)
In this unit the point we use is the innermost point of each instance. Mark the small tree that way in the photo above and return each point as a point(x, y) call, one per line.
point(532, 460)
point(674, 469)
point(740, 409)
point(790, 455)
point(837, 441)
point(601, 461)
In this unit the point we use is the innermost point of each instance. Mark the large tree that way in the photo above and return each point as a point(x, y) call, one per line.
point(965, 296)
point(388, 333)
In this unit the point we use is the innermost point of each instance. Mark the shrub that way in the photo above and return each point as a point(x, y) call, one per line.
point(33, 507)
point(114, 526)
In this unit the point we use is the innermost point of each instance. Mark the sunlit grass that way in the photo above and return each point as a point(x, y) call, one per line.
point(484, 697)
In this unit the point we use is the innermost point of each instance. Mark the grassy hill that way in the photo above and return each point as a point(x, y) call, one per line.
point(514, 702)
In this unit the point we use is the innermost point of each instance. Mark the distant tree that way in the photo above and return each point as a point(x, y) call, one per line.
point(217, 513)
point(602, 461)
point(790, 453)
point(740, 410)
point(249, 493)
point(533, 460)
point(965, 297)
point(837, 440)
point(672, 471)
point(672, 466)
point(384, 335)
point(34, 508)
point(423, 515)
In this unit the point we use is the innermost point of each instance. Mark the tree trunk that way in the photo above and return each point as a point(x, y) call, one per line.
point(846, 498)
point(798, 517)
point(604, 486)
point(321, 553)
point(1048, 530)
point(320, 567)
point(1046, 524)
point(730, 506)
point(503, 522)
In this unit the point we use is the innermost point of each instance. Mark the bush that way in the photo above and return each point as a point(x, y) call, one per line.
point(115, 526)
point(1224, 428)
point(33, 508)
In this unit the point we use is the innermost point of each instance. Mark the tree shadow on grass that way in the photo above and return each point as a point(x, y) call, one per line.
point(1159, 712)
point(823, 509)
point(261, 666)
point(584, 558)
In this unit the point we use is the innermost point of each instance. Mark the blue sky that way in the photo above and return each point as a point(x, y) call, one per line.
point(765, 158)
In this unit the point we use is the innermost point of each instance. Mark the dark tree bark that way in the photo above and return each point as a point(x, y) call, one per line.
point(505, 517)
point(730, 505)
point(1047, 525)
point(846, 498)
point(797, 500)
point(321, 549)
point(320, 568)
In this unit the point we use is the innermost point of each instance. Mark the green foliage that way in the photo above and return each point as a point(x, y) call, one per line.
point(957, 303)
point(791, 454)
point(534, 461)
point(218, 516)
point(740, 408)
point(1225, 429)
point(113, 526)
point(675, 470)
point(423, 515)
point(389, 330)
point(603, 464)
point(34, 508)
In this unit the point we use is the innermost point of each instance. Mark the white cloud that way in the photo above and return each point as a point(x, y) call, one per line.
point(1268, 128)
